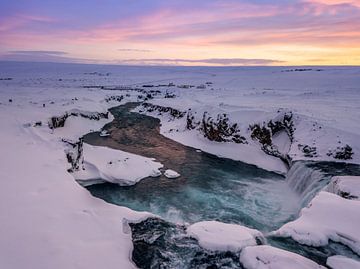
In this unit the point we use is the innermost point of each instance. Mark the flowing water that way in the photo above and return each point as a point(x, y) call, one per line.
point(209, 188)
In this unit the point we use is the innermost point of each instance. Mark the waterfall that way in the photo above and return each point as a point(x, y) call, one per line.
point(305, 180)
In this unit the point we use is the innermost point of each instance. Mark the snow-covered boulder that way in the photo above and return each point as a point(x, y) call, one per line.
point(267, 257)
point(171, 173)
point(115, 166)
point(346, 186)
point(104, 133)
point(341, 262)
point(218, 236)
point(328, 216)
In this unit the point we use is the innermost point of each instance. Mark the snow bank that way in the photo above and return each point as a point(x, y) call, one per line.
point(218, 236)
point(341, 262)
point(47, 219)
point(171, 173)
point(71, 229)
point(267, 257)
point(328, 216)
point(115, 166)
point(345, 186)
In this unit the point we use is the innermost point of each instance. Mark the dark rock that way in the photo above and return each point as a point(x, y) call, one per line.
point(220, 130)
point(74, 154)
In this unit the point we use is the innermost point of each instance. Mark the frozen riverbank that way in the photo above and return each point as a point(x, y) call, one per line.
point(36, 187)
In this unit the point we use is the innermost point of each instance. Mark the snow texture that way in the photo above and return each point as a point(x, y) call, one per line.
point(115, 166)
point(218, 236)
point(50, 221)
point(328, 216)
point(341, 262)
point(267, 257)
point(171, 173)
point(345, 186)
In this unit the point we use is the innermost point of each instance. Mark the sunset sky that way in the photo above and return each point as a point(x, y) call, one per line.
point(170, 32)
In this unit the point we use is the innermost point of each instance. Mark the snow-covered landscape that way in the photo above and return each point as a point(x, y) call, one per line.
point(303, 125)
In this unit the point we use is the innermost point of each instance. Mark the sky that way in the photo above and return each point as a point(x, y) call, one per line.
point(175, 32)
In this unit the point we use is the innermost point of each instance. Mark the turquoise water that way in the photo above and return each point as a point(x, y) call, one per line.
point(209, 188)
point(213, 189)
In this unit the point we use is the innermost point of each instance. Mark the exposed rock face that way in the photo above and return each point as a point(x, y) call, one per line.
point(190, 121)
point(308, 151)
point(117, 98)
point(161, 244)
point(74, 154)
point(220, 130)
point(161, 109)
point(342, 153)
point(59, 121)
point(169, 95)
point(264, 135)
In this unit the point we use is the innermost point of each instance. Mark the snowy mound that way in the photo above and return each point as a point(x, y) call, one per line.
point(345, 186)
point(267, 257)
point(115, 166)
point(341, 262)
point(328, 216)
point(171, 173)
point(218, 236)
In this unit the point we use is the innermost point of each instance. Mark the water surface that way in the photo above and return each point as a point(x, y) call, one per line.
point(210, 188)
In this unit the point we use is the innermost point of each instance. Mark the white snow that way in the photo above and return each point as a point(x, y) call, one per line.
point(218, 236)
point(328, 216)
point(345, 186)
point(267, 257)
point(47, 219)
point(115, 166)
point(342, 262)
point(104, 133)
point(171, 173)
point(50, 221)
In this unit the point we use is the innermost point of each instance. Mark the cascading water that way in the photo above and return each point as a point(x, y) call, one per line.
point(209, 188)
point(305, 180)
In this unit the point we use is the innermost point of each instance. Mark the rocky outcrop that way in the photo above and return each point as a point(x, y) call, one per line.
point(342, 153)
point(220, 130)
point(117, 98)
point(263, 133)
point(176, 114)
point(74, 154)
point(59, 121)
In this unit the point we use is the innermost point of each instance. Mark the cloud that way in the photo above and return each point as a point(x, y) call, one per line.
point(38, 52)
point(210, 61)
point(41, 56)
point(336, 2)
point(135, 50)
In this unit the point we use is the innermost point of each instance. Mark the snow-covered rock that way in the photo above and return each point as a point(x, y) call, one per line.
point(328, 216)
point(342, 262)
point(104, 133)
point(70, 228)
point(171, 173)
point(115, 166)
point(218, 236)
point(345, 186)
point(267, 257)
